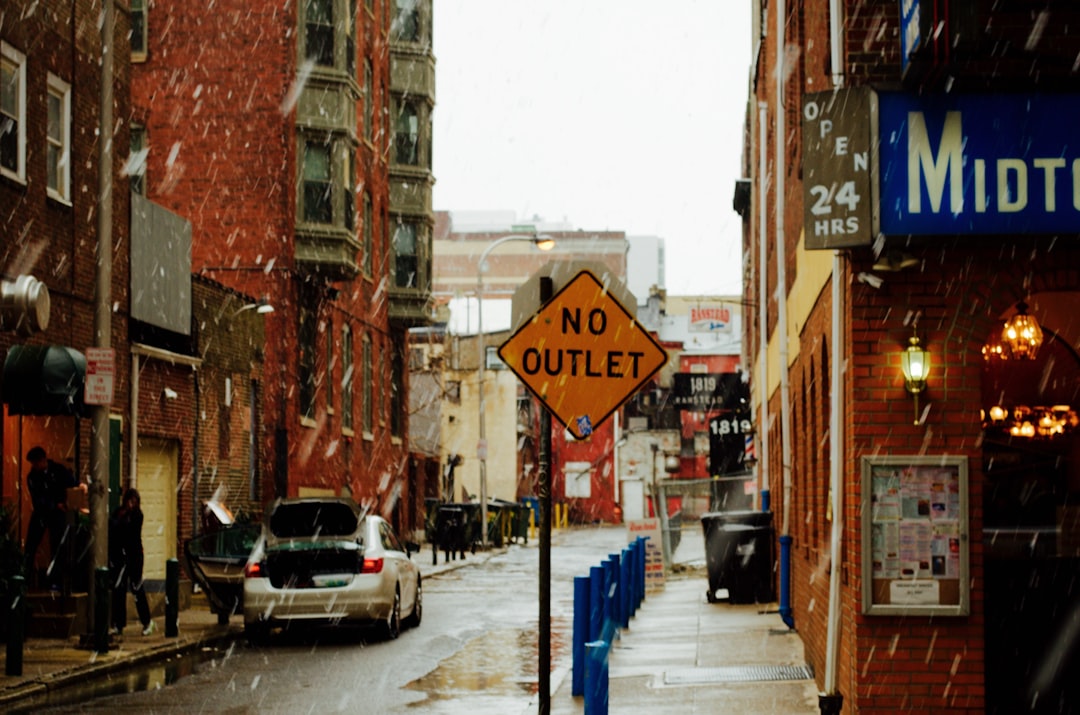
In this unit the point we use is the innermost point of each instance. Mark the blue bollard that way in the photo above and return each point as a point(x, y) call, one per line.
point(616, 589)
point(581, 635)
point(609, 584)
point(642, 560)
point(624, 592)
point(596, 601)
point(596, 678)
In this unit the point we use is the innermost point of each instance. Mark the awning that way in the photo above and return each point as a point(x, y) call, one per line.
point(44, 380)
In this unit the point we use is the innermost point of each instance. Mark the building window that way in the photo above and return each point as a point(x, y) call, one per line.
point(405, 262)
point(397, 396)
point(366, 407)
point(12, 113)
point(136, 164)
point(138, 30)
point(406, 23)
point(330, 367)
point(350, 190)
point(346, 378)
point(368, 241)
point(407, 134)
point(306, 336)
point(318, 207)
point(492, 361)
point(369, 101)
point(350, 40)
point(58, 135)
point(319, 40)
point(453, 392)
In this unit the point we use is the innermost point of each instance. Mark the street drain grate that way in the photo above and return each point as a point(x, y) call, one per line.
point(737, 674)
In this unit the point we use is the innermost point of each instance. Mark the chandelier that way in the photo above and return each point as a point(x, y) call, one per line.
point(1021, 337)
point(1032, 422)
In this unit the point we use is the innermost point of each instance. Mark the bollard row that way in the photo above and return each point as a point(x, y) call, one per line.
point(604, 602)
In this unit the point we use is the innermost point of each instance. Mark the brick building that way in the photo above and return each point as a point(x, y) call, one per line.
point(271, 133)
point(911, 185)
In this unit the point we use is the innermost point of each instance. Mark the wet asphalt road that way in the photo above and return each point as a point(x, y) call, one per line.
point(474, 653)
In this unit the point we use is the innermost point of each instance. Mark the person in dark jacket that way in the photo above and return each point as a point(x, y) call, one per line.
point(126, 563)
point(47, 482)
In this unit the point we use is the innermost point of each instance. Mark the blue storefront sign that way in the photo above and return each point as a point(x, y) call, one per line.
point(979, 164)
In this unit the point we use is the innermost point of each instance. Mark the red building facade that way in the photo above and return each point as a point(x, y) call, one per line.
point(945, 589)
point(269, 132)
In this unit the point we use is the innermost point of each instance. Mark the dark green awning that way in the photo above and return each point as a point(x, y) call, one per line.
point(44, 380)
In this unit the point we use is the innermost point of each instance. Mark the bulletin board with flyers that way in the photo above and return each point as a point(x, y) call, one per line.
point(915, 536)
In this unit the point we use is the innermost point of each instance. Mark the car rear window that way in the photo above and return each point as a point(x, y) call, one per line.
point(313, 519)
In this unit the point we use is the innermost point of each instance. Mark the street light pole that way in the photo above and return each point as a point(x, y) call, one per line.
point(544, 243)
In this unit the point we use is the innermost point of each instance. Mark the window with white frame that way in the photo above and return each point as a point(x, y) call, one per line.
point(12, 113)
point(346, 378)
point(138, 30)
point(366, 369)
point(493, 361)
point(318, 204)
point(319, 38)
point(58, 135)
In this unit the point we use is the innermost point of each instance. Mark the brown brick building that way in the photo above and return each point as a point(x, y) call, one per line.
point(912, 174)
point(271, 132)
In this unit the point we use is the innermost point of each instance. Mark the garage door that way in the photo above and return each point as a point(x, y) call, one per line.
point(158, 465)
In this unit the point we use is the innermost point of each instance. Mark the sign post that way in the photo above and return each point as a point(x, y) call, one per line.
point(100, 374)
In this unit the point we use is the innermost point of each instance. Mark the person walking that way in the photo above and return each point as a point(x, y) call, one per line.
point(47, 482)
point(126, 563)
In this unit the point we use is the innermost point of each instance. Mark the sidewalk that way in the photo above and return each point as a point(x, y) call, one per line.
point(684, 656)
point(52, 665)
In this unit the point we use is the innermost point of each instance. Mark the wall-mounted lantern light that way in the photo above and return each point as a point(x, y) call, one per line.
point(915, 363)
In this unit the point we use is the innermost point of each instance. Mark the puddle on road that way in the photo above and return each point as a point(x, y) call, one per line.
point(150, 677)
point(499, 663)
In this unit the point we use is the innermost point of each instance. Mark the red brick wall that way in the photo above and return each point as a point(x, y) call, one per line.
point(223, 156)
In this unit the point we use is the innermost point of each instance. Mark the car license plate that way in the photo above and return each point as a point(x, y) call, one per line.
point(331, 580)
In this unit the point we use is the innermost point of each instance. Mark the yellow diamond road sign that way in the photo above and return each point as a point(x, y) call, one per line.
point(583, 354)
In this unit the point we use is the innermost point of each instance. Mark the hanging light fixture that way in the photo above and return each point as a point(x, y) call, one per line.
point(1021, 337)
point(915, 364)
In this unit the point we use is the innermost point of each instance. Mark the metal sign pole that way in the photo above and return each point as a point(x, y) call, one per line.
point(544, 488)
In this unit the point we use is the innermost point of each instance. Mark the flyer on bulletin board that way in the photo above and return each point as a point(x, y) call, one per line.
point(915, 525)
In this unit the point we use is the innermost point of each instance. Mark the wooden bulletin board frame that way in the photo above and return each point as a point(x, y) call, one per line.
point(915, 545)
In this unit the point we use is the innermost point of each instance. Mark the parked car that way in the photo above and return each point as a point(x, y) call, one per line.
point(216, 561)
point(322, 560)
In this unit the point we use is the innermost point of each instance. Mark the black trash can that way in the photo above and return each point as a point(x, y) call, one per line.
point(450, 529)
point(739, 555)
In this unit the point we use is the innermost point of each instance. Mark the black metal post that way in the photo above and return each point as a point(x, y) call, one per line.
point(16, 627)
point(102, 601)
point(544, 488)
point(172, 598)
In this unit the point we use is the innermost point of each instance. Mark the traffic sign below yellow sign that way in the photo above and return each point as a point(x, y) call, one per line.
point(583, 354)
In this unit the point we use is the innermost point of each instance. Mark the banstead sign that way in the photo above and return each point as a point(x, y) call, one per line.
point(582, 354)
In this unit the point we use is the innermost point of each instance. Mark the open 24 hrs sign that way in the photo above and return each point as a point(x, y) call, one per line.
point(583, 354)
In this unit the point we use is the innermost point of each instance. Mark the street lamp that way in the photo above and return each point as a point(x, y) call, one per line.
point(544, 243)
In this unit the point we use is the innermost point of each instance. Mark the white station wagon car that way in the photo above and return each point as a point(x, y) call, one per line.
point(322, 560)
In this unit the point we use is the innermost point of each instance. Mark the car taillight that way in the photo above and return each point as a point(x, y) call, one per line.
point(253, 570)
point(371, 566)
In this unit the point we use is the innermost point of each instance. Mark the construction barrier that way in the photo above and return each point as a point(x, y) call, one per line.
point(604, 602)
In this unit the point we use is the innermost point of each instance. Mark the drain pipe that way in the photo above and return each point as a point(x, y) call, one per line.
point(762, 366)
point(782, 321)
point(831, 701)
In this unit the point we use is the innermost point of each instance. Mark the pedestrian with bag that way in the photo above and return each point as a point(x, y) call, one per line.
point(126, 563)
point(47, 482)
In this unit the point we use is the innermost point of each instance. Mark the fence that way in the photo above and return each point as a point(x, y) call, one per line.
point(604, 602)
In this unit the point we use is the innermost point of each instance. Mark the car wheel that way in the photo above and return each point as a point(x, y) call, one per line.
point(418, 606)
point(391, 627)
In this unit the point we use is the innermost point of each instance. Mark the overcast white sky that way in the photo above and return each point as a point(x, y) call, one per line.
point(624, 115)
